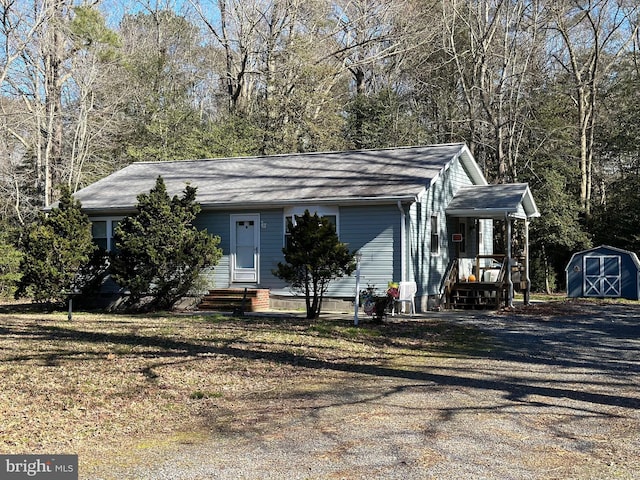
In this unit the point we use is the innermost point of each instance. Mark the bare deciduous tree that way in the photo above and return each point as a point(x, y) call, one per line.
point(493, 44)
point(591, 37)
point(233, 24)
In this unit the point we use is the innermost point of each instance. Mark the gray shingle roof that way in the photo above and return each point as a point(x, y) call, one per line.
point(352, 176)
point(494, 201)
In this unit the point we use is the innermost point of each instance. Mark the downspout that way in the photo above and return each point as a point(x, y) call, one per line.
point(403, 248)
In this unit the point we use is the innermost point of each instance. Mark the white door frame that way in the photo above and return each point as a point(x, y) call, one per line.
point(250, 272)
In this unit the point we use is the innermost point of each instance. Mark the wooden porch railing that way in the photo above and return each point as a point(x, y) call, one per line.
point(489, 290)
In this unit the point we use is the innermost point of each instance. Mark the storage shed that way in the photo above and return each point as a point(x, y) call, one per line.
point(604, 271)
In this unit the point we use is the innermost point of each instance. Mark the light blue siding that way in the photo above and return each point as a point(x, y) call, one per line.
point(428, 268)
point(271, 243)
point(270, 251)
point(374, 231)
point(217, 223)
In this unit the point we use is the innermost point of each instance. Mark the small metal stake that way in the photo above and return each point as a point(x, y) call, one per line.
point(357, 297)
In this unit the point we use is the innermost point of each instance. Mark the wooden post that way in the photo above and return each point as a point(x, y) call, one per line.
point(509, 302)
point(479, 249)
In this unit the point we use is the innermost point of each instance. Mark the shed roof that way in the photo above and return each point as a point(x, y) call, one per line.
point(604, 249)
point(494, 201)
point(348, 177)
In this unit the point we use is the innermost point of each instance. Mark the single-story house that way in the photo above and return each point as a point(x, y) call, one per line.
point(409, 212)
point(604, 271)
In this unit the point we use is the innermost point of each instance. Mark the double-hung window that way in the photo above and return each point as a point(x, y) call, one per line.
point(102, 231)
point(435, 236)
point(291, 213)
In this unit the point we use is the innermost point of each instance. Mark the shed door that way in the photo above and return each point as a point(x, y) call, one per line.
point(245, 240)
point(602, 276)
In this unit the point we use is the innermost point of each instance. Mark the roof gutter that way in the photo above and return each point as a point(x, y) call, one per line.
point(345, 201)
point(495, 213)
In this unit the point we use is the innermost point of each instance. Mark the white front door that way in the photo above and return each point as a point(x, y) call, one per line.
point(245, 243)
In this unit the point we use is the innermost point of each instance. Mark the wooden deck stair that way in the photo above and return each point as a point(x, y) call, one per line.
point(231, 299)
point(480, 294)
point(474, 294)
point(477, 295)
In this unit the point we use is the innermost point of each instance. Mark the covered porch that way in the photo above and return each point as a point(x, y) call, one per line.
point(488, 279)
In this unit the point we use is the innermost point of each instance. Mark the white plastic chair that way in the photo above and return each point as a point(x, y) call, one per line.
point(406, 294)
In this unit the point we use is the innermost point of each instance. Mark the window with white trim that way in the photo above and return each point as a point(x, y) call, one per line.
point(435, 236)
point(291, 213)
point(102, 231)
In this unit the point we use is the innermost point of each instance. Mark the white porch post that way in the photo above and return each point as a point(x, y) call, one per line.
point(403, 246)
point(527, 291)
point(509, 302)
point(356, 300)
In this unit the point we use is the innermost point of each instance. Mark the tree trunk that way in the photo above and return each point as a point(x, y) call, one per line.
point(606, 28)
point(53, 57)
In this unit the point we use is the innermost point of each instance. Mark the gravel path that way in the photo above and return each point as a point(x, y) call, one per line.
point(555, 397)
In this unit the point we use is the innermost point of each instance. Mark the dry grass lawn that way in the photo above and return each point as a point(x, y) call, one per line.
point(104, 386)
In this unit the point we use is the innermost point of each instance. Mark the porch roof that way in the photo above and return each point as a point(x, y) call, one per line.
point(494, 201)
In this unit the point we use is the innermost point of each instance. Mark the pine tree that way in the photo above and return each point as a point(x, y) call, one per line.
point(159, 252)
point(55, 249)
point(9, 264)
point(314, 256)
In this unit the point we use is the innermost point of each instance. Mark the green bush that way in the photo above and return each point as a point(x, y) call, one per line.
point(10, 258)
point(55, 249)
point(314, 256)
point(159, 252)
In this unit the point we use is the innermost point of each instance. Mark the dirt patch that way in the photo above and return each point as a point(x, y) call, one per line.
point(445, 396)
point(564, 307)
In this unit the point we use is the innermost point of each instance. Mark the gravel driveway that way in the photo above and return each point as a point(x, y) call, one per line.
point(557, 395)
